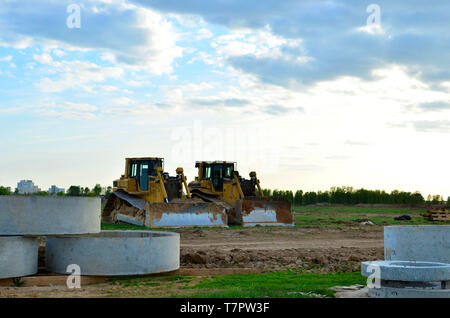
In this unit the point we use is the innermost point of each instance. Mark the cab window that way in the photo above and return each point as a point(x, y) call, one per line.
point(143, 180)
point(228, 171)
point(133, 170)
point(153, 165)
point(206, 172)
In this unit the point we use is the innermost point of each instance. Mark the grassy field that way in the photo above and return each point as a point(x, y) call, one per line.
point(287, 284)
point(345, 216)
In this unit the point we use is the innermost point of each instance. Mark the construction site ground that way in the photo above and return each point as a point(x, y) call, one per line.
point(324, 249)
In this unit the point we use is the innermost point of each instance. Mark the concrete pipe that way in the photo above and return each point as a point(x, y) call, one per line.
point(408, 271)
point(18, 256)
point(393, 292)
point(112, 253)
point(429, 243)
point(408, 279)
point(39, 215)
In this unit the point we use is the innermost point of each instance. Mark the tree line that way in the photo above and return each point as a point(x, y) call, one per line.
point(348, 195)
point(336, 195)
point(73, 191)
point(77, 191)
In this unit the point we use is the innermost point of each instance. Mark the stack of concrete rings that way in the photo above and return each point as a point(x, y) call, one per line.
point(72, 227)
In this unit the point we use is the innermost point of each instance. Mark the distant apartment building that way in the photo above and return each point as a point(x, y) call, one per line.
point(27, 187)
point(55, 190)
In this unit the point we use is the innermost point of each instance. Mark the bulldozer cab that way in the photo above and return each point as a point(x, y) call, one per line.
point(217, 172)
point(142, 170)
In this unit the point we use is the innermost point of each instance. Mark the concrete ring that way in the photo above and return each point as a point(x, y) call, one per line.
point(430, 243)
point(111, 253)
point(39, 215)
point(18, 256)
point(407, 271)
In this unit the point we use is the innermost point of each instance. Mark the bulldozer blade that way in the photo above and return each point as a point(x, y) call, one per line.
point(185, 214)
point(110, 216)
point(129, 219)
point(265, 212)
point(172, 214)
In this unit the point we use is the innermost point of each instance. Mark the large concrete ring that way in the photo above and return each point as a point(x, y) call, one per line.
point(407, 271)
point(52, 215)
point(18, 256)
point(112, 253)
point(430, 243)
point(389, 292)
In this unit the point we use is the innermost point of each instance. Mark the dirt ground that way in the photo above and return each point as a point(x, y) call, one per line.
point(316, 249)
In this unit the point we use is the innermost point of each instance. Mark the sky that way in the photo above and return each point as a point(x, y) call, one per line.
point(309, 94)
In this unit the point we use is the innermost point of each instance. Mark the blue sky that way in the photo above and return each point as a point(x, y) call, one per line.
point(310, 94)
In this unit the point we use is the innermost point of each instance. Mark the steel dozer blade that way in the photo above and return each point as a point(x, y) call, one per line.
point(265, 212)
point(125, 208)
point(185, 214)
point(122, 207)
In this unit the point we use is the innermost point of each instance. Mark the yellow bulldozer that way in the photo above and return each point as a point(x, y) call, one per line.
point(219, 182)
point(147, 196)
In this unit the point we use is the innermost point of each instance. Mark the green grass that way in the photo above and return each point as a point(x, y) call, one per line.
point(350, 216)
point(355, 209)
point(348, 221)
point(275, 284)
point(107, 226)
point(289, 284)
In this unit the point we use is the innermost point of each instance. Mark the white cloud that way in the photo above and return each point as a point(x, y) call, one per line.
point(332, 37)
point(78, 107)
point(75, 74)
point(160, 49)
point(67, 110)
point(208, 59)
point(12, 110)
point(76, 115)
point(43, 58)
point(6, 58)
point(122, 101)
point(374, 29)
point(192, 87)
point(113, 89)
point(59, 53)
point(134, 83)
point(138, 110)
point(204, 34)
point(133, 36)
point(258, 43)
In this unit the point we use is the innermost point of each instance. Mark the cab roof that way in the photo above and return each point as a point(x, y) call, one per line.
point(197, 163)
point(144, 158)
